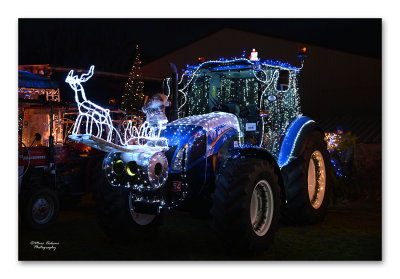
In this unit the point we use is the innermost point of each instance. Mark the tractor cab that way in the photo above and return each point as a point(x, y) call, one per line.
point(263, 95)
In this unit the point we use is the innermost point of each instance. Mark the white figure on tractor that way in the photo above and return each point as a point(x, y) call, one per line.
point(93, 113)
point(99, 122)
point(155, 112)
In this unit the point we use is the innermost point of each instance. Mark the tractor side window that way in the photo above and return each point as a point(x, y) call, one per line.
point(198, 95)
point(283, 81)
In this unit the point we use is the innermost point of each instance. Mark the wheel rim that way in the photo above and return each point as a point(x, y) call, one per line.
point(140, 218)
point(316, 179)
point(42, 210)
point(261, 208)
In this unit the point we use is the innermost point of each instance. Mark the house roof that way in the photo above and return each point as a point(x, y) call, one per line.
point(29, 80)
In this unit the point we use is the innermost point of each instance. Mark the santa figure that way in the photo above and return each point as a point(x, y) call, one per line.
point(154, 109)
point(254, 55)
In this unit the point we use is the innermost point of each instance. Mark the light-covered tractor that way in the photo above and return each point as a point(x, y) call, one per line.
point(236, 147)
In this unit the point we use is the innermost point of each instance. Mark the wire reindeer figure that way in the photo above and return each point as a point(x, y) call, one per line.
point(94, 114)
point(98, 119)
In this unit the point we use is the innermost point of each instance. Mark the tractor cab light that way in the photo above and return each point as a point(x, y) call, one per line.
point(302, 52)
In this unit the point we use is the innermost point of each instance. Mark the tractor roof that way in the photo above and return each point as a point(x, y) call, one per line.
point(241, 64)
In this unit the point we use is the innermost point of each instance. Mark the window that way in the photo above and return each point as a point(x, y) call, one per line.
point(283, 81)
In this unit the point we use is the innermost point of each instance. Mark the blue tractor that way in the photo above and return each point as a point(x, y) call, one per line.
point(236, 147)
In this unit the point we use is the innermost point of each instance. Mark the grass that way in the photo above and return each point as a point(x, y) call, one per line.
point(348, 233)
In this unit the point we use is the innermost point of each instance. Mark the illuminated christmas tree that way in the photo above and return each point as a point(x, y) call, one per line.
point(133, 98)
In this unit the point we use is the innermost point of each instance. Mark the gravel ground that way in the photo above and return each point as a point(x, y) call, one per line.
point(351, 232)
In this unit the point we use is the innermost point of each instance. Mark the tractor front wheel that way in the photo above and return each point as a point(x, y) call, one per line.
point(246, 204)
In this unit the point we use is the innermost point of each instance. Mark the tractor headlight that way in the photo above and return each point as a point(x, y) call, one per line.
point(135, 169)
point(132, 168)
point(118, 167)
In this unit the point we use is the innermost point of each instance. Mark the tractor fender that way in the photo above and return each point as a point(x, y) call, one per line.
point(296, 133)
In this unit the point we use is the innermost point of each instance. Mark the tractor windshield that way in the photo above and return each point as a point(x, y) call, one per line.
point(212, 88)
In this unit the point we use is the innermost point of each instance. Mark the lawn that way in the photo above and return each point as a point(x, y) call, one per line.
point(351, 232)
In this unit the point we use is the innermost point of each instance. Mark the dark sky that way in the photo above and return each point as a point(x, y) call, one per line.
point(110, 43)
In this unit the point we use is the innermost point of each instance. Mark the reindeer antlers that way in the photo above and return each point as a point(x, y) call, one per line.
point(83, 78)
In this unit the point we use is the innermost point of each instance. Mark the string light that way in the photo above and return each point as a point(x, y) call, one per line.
point(133, 97)
point(184, 132)
point(240, 80)
point(332, 140)
point(98, 122)
point(255, 85)
point(290, 141)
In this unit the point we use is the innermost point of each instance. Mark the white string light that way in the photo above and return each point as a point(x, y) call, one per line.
point(256, 65)
point(282, 105)
point(98, 117)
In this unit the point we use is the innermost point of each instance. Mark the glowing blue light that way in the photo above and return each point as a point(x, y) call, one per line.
point(272, 98)
point(275, 63)
point(290, 140)
point(231, 67)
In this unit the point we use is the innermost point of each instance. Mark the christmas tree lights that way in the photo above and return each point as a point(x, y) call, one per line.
point(133, 97)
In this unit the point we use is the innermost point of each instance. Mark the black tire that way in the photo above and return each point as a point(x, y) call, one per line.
point(232, 198)
point(113, 211)
point(299, 209)
point(39, 207)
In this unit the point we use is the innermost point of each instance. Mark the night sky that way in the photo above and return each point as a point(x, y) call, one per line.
point(110, 43)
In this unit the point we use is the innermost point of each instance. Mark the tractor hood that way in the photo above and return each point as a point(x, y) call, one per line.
point(185, 130)
point(201, 134)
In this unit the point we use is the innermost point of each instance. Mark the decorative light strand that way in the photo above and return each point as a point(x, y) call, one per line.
point(99, 118)
point(282, 105)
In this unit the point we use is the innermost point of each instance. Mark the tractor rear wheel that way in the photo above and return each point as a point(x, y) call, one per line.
point(246, 204)
point(306, 181)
